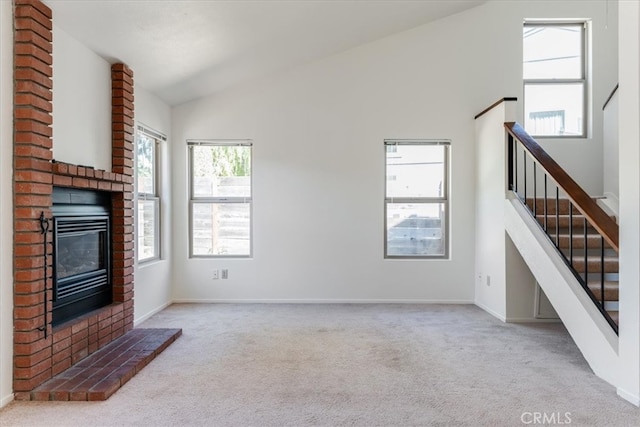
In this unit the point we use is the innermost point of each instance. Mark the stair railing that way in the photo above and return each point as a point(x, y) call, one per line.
point(529, 168)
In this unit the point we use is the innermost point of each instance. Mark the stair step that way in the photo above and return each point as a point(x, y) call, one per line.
point(614, 316)
point(593, 241)
point(610, 290)
point(593, 263)
point(563, 206)
point(563, 221)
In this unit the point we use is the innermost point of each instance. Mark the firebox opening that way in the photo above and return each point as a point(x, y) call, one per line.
point(81, 252)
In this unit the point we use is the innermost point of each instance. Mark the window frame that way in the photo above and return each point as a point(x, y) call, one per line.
point(193, 199)
point(444, 199)
point(153, 197)
point(584, 80)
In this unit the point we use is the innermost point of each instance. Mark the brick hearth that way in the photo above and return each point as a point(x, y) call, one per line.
point(100, 375)
point(40, 351)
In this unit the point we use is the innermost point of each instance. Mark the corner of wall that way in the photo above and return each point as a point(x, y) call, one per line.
point(629, 137)
point(6, 209)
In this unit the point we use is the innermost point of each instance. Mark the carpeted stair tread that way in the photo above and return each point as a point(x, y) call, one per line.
point(563, 221)
point(102, 373)
point(610, 290)
point(594, 241)
point(562, 206)
point(594, 264)
point(567, 231)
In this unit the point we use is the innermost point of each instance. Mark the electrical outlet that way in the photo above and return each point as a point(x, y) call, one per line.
point(225, 273)
point(214, 275)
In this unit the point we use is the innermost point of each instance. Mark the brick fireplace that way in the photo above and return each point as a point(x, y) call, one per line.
point(41, 350)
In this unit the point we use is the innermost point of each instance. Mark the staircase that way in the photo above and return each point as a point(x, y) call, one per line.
point(568, 230)
point(584, 235)
point(542, 212)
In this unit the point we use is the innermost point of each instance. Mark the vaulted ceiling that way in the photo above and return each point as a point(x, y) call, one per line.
point(182, 50)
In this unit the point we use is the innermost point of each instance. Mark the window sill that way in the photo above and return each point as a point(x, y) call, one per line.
point(150, 262)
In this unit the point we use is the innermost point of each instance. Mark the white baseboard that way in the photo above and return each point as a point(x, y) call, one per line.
point(316, 301)
point(515, 319)
point(629, 397)
point(6, 400)
point(491, 312)
point(137, 322)
point(531, 320)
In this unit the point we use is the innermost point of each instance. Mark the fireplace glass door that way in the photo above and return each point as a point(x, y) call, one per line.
point(81, 266)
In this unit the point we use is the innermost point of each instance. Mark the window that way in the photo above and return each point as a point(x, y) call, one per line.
point(220, 198)
point(147, 194)
point(416, 199)
point(555, 79)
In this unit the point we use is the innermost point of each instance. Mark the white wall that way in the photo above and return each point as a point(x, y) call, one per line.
point(319, 166)
point(629, 131)
point(6, 202)
point(153, 279)
point(504, 285)
point(610, 153)
point(499, 53)
point(81, 104)
point(490, 190)
point(318, 174)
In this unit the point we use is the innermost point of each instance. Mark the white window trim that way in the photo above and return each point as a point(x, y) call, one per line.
point(219, 200)
point(553, 81)
point(444, 199)
point(158, 137)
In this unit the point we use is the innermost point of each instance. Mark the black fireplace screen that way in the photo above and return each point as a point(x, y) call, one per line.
point(82, 274)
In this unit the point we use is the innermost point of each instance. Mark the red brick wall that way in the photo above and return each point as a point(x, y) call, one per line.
point(122, 201)
point(41, 352)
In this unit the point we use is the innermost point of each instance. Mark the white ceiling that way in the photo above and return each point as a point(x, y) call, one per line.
point(182, 49)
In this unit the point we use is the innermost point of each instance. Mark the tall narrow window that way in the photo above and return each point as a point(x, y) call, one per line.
point(416, 199)
point(220, 198)
point(555, 79)
point(147, 194)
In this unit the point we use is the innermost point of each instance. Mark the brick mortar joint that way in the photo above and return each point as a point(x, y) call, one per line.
point(118, 178)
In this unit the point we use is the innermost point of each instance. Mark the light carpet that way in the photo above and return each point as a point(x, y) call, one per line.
point(349, 365)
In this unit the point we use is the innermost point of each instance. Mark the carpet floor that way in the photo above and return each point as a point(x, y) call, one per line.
point(349, 365)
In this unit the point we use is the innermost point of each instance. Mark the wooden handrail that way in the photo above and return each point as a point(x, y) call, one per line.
point(598, 218)
point(495, 104)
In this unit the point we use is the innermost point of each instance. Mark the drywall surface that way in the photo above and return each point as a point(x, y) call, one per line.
point(629, 120)
point(490, 190)
point(81, 104)
point(318, 177)
point(153, 284)
point(611, 155)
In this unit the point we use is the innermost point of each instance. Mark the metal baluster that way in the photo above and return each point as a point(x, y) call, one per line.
point(524, 166)
point(535, 193)
point(571, 236)
point(570, 232)
point(586, 259)
point(510, 156)
point(515, 164)
point(546, 228)
point(602, 271)
point(557, 216)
